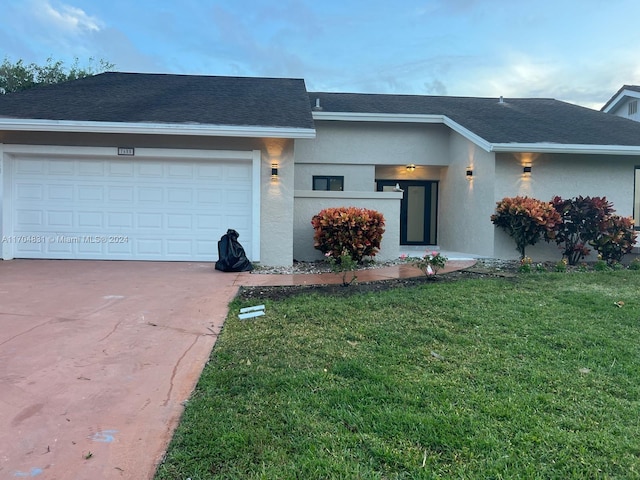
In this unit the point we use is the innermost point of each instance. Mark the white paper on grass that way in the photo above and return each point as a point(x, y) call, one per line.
point(251, 312)
point(244, 316)
point(252, 309)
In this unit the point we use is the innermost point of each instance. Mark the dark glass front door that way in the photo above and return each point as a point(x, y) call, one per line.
point(417, 210)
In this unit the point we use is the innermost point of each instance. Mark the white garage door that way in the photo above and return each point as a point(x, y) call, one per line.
point(128, 209)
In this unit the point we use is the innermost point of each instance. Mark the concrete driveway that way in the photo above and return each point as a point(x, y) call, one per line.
point(96, 359)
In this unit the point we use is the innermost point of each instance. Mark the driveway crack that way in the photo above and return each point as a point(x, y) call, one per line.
point(175, 369)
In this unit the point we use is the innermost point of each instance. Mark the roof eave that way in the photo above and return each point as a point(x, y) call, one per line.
point(614, 102)
point(36, 125)
point(565, 148)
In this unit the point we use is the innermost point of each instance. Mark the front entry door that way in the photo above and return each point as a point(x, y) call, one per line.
point(417, 210)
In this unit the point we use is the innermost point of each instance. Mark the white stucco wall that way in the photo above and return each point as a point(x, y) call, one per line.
point(309, 203)
point(373, 143)
point(362, 152)
point(565, 175)
point(357, 178)
point(466, 204)
point(276, 233)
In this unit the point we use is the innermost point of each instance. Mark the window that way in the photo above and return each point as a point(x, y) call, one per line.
point(328, 183)
point(633, 107)
point(636, 199)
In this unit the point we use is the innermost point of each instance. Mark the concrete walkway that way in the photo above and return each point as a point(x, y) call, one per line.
point(97, 358)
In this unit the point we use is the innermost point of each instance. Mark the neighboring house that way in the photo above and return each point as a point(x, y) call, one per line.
point(624, 103)
point(158, 167)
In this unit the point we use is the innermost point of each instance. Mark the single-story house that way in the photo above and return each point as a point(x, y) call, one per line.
point(157, 167)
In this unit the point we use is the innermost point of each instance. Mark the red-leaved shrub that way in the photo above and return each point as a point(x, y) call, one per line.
point(582, 221)
point(356, 231)
point(526, 220)
point(616, 238)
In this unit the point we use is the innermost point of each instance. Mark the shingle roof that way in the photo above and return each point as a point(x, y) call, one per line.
point(160, 98)
point(517, 120)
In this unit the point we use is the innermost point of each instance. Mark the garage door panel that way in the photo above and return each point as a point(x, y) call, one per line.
point(30, 167)
point(28, 218)
point(61, 168)
point(181, 196)
point(92, 168)
point(90, 220)
point(166, 210)
point(120, 168)
point(60, 192)
point(152, 221)
point(117, 221)
point(180, 171)
point(151, 195)
point(239, 172)
point(211, 172)
point(120, 194)
point(209, 196)
point(60, 219)
point(90, 193)
point(29, 191)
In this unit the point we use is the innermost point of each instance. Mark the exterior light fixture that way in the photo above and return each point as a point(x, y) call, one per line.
point(274, 170)
point(469, 173)
point(526, 170)
point(411, 167)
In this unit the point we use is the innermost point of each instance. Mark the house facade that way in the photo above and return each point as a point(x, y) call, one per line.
point(158, 167)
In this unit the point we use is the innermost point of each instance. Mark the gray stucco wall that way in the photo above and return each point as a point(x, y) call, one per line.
point(309, 203)
point(565, 175)
point(373, 143)
point(466, 204)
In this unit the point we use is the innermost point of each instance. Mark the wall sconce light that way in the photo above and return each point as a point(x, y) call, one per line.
point(274, 170)
point(411, 167)
point(526, 170)
point(469, 173)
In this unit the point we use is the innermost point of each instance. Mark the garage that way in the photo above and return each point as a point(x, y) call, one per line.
point(147, 205)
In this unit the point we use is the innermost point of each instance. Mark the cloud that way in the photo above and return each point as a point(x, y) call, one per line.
point(65, 18)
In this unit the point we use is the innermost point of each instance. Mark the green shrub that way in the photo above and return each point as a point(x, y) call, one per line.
point(561, 266)
point(540, 268)
point(526, 220)
point(343, 265)
point(356, 232)
point(582, 218)
point(525, 265)
point(616, 238)
point(600, 265)
point(429, 263)
point(635, 264)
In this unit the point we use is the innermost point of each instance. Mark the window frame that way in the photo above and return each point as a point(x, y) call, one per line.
point(329, 179)
point(632, 107)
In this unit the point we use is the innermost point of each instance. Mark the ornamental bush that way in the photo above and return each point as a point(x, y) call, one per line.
point(582, 221)
point(354, 231)
point(526, 220)
point(616, 238)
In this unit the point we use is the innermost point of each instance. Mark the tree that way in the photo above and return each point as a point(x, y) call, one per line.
point(18, 76)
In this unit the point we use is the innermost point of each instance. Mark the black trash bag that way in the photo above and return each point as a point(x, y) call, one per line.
point(231, 256)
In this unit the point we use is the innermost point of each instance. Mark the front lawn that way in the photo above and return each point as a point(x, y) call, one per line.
point(533, 377)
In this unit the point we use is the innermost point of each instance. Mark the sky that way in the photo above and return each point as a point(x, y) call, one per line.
point(579, 51)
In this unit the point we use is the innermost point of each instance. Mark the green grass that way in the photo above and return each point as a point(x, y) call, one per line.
point(533, 378)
